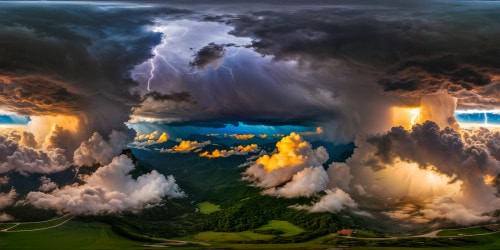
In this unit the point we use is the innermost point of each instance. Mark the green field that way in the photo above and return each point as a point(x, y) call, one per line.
point(245, 236)
point(368, 234)
point(6, 225)
point(96, 235)
point(465, 231)
point(286, 227)
point(71, 235)
point(207, 207)
point(41, 224)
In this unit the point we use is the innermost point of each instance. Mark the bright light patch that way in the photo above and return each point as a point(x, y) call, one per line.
point(405, 116)
point(489, 179)
point(408, 180)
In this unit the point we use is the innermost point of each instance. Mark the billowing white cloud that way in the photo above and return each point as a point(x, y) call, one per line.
point(339, 175)
point(334, 201)
point(295, 169)
point(6, 199)
point(305, 183)
point(109, 190)
point(14, 157)
point(47, 184)
point(447, 174)
point(98, 150)
point(293, 155)
point(5, 217)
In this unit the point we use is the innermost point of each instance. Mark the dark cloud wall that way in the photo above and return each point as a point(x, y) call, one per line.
point(414, 49)
point(335, 64)
point(73, 60)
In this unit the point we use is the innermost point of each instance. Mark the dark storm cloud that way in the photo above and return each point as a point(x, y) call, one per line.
point(210, 54)
point(35, 95)
point(73, 59)
point(173, 96)
point(414, 51)
point(427, 144)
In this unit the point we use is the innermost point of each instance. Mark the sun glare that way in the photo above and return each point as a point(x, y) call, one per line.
point(405, 116)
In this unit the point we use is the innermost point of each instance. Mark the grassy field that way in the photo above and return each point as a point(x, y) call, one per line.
point(466, 231)
point(245, 236)
point(40, 225)
point(368, 234)
point(208, 207)
point(286, 227)
point(95, 235)
point(283, 228)
point(6, 225)
point(71, 235)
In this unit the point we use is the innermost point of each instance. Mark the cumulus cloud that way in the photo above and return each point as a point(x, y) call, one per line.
point(295, 169)
point(305, 183)
point(4, 180)
point(441, 170)
point(99, 150)
point(25, 160)
point(293, 155)
point(28, 140)
point(187, 146)
point(243, 136)
point(5, 217)
point(235, 150)
point(334, 201)
point(110, 189)
point(339, 175)
point(154, 137)
point(6, 199)
point(47, 184)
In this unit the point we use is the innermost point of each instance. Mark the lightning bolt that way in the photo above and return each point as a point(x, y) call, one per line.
point(156, 54)
point(485, 119)
point(230, 71)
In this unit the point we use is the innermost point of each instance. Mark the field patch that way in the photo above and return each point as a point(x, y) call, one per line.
point(464, 231)
point(245, 236)
point(286, 228)
point(31, 226)
point(70, 235)
point(368, 234)
point(207, 207)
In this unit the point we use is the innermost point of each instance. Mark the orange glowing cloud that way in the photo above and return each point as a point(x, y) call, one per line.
point(153, 137)
point(187, 146)
point(243, 136)
point(292, 151)
point(239, 150)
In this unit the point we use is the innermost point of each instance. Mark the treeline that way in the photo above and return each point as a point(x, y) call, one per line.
point(256, 211)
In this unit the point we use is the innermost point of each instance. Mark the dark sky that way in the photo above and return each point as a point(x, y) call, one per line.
point(328, 62)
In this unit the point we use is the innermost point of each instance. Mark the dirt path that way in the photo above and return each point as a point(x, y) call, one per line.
point(7, 230)
point(432, 234)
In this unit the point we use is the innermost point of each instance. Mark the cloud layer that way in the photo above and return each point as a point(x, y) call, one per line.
point(110, 189)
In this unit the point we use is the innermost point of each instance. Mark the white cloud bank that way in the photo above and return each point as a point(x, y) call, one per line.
point(110, 190)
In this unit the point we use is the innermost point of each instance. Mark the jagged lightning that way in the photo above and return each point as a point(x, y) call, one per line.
point(156, 54)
